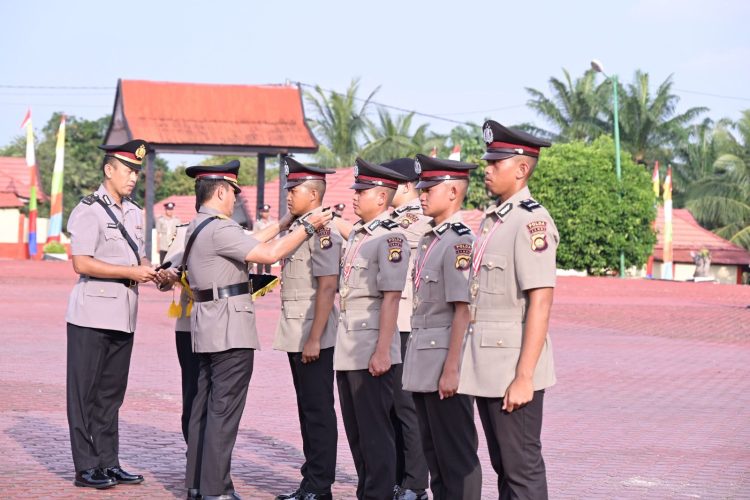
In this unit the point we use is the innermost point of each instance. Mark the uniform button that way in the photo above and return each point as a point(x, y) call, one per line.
point(411, 337)
point(364, 324)
point(101, 290)
point(301, 314)
point(427, 276)
point(489, 263)
point(499, 342)
point(432, 342)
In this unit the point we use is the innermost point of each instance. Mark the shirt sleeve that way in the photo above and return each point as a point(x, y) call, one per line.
point(535, 253)
point(456, 265)
point(326, 252)
point(83, 226)
point(393, 262)
point(231, 241)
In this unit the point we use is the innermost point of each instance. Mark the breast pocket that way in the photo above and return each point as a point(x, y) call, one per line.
point(113, 243)
point(493, 274)
point(296, 267)
point(359, 272)
point(430, 286)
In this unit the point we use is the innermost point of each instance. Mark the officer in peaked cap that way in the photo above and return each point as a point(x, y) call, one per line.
point(367, 344)
point(222, 322)
point(166, 229)
point(107, 244)
point(507, 362)
point(307, 329)
point(439, 321)
point(411, 466)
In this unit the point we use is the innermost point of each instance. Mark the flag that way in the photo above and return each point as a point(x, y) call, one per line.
point(31, 163)
point(666, 268)
point(433, 153)
point(456, 153)
point(655, 179)
point(56, 193)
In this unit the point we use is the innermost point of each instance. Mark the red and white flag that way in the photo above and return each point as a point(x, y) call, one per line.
point(456, 153)
point(433, 153)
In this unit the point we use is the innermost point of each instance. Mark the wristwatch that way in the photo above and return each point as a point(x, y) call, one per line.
point(309, 228)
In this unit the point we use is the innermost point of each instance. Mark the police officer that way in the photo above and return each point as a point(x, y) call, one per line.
point(107, 244)
point(439, 323)
point(307, 329)
point(367, 345)
point(411, 467)
point(166, 228)
point(264, 220)
point(223, 320)
point(507, 362)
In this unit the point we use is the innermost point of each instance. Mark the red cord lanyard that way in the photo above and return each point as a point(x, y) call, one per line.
point(481, 243)
point(348, 265)
point(418, 271)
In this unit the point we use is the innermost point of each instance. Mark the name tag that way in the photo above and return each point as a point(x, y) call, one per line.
point(111, 225)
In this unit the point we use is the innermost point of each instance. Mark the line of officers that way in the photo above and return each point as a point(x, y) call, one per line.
point(431, 320)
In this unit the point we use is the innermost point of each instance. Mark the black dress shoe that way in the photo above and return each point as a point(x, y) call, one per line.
point(291, 496)
point(123, 477)
point(94, 478)
point(316, 496)
point(194, 494)
point(232, 496)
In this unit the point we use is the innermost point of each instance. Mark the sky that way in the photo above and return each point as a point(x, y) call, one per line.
point(459, 60)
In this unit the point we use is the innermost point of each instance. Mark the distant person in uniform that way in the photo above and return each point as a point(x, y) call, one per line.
point(166, 228)
point(222, 323)
point(264, 220)
point(367, 343)
point(507, 362)
point(107, 245)
point(307, 329)
point(411, 466)
point(439, 322)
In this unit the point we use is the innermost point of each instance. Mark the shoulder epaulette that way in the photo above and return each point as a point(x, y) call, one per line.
point(388, 224)
point(131, 200)
point(530, 204)
point(90, 199)
point(460, 229)
point(183, 225)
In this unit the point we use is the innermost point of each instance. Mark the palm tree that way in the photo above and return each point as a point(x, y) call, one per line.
point(339, 124)
point(573, 109)
point(391, 137)
point(695, 155)
point(649, 124)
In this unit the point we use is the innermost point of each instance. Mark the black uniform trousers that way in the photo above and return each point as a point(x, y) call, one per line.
point(189, 367)
point(411, 466)
point(450, 442)
point(98, 362)
point(313, 383)
point(215, 419)
point(515, 446)
point(366, 403)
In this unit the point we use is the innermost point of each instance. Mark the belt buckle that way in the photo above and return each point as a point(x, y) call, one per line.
point(132, 284)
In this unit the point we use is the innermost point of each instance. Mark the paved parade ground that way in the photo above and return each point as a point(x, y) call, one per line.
point(652, 400)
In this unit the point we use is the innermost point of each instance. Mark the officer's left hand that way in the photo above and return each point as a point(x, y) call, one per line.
point(519, 393)
point(311, 351)
point(379, 363)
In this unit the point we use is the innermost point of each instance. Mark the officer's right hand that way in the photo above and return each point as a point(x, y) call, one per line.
point(142, 274)
point(320, 219)
point(379, 363)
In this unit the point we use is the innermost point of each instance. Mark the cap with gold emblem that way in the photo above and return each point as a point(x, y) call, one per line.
point(297, 173)
point(131, 153)
point(369, 175)
point(503, 142)
point(433, 171)
point(405, 167)
point(227, 172)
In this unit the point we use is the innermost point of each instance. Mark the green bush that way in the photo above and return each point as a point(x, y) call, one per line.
point(577, 183)
point(54, 247)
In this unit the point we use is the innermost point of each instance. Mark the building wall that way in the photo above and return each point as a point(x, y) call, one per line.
point(683, 272)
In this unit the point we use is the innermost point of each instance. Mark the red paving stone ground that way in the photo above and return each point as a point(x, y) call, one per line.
point(653, 397)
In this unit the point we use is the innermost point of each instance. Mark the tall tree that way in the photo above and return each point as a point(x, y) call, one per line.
point(339, 122)
point(392, 138)
point(573, 109)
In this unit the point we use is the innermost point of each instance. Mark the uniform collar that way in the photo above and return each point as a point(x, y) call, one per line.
point(125, 205)
point(299, 220)
point(440, 230)
point(208, 210)
point(411, 205)
point(502, 209)
point(371, 226)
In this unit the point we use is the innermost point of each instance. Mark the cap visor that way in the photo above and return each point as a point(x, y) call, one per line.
point(291, 184)
point(424, 184)
point(497, 156)
point(361, 185)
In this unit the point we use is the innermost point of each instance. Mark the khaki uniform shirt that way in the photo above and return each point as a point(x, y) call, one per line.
point(370, 267)
point(166, 228)
point(413, 224)
point(105, 304)
point(318, 256)
point(519, 256)
point(174, 255)
point(217, 259)
point(443, 279)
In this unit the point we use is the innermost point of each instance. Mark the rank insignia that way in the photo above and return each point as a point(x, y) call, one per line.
point(140, 152)
point(487, 133)
point(395, 245)
point(538, 232)
point(463, 255)
point(325, 238)
point(408, 220)
point(417, 166)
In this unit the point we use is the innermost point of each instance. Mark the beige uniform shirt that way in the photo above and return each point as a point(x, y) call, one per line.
point(376, 261)
point(166, 228)
point(442, 266)
point(217, 259)
point(519, 256)
point(318, 256)
point(413, 223)
point(174, 255)
point(104, 304)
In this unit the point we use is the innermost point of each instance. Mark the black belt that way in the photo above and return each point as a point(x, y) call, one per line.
point(223, 292)
point(123, 281)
